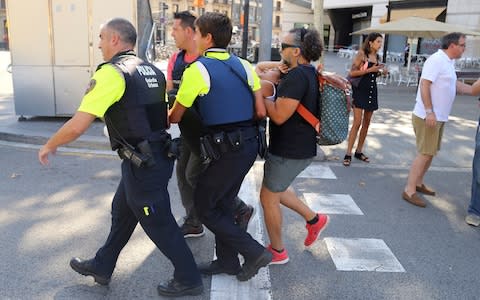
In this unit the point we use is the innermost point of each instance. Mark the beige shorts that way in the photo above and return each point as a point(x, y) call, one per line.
point(428, 138)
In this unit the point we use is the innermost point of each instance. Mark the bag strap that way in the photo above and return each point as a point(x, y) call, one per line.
point(309, 117)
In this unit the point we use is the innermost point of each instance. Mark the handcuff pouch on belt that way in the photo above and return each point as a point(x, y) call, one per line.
point(141, 155)
point(212, 146)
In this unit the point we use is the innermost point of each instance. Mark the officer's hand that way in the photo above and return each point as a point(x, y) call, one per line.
point(43, 154)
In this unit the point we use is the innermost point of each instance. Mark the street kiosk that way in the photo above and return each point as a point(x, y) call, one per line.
point(54, 49)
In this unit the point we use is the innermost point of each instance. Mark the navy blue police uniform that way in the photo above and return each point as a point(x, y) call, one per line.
point(226, 110)
point(139, 119)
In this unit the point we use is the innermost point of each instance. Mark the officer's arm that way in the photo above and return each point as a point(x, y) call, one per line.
point(69, 132)
point(171, 62)
point(169, 85)
point(281, 110)
point(175, 114)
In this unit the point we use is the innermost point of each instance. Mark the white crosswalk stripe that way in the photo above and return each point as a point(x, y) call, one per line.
point(357, 254)
point(259, 287)
point(353, 254)
point(337, 204)
point(317, 171)
point(362, 255)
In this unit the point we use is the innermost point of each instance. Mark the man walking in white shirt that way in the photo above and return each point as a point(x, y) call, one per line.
point(435, 95)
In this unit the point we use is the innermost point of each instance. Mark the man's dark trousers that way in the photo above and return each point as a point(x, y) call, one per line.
point(142, 196)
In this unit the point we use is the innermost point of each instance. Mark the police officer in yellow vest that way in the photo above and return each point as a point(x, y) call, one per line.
point(130, 94)
point(219, 87)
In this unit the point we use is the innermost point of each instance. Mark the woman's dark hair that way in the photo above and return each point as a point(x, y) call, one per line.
point(309, 42)
point(370, 38)
point(451, 38)
point(218, 25)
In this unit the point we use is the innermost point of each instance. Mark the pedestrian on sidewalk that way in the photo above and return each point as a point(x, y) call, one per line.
point(136, 127)
point(435, 96)
point(292, 144)
point(224, 91)
point(366, 66)
point(406, 54)
point(189, 165)
point(473, 211)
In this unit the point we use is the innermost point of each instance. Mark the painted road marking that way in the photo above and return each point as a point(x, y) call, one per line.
point(259, 287)
point(317, 171)
point(362, 255)
point(340, 204)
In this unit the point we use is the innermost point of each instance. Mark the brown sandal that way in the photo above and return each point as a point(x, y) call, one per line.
point(347, 160)
point(361, 157)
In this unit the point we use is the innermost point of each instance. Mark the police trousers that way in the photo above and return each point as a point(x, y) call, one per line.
point(214, 198)
point(142, 197)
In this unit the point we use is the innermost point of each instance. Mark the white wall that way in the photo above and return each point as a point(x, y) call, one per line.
point(466, 13)
point(295, 14)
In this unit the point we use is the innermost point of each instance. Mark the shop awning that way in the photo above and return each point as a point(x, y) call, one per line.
point(427, 13)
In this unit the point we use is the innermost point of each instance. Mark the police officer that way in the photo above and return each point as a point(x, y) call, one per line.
point(218, 87)
point(130, 94)
point(189, 166)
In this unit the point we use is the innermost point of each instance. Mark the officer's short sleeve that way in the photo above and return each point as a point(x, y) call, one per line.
point(256, 79)
point(193, 84)
point(105, 88)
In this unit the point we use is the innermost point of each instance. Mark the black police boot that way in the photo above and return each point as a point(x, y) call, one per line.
point(215, 267)
point(88, 268)
point(174, 288)
point(250, 267)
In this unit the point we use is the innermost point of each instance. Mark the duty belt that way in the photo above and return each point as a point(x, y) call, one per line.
point(213, 145)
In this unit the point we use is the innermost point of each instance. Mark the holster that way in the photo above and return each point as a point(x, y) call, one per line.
point(141, 156)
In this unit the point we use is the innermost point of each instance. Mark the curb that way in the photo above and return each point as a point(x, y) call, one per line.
point(40, 140)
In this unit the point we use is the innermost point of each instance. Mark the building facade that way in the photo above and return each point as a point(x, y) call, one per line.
point(3, 26)
point(341, 17)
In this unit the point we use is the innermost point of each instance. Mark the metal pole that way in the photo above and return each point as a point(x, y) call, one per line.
point(385, 44)
point(246, 9)
point(318, 22)
point(265, 49)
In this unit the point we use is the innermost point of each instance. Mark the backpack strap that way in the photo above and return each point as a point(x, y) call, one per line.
point(309, 117)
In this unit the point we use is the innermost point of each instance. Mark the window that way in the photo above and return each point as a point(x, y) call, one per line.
point(279, 5)
point(277, 21)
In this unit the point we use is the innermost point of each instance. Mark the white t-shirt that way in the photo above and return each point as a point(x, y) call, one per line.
point(440, 70)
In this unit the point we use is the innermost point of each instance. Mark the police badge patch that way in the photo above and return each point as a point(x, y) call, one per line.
point(91, 85)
